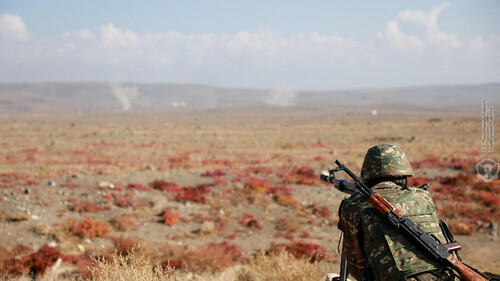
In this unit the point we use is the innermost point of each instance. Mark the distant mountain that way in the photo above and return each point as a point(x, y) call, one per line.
point(101, 97)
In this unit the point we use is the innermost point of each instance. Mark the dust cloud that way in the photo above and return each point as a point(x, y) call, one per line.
point(281, 96)
point(125, 94)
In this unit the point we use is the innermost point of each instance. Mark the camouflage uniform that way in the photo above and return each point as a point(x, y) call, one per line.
point(375, 249)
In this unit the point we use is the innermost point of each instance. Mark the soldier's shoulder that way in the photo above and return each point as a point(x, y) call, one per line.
point(419, 192)
point(417, 189)
point(350, 204)
point(353, 200)
point(386, 185)
point(416, 200)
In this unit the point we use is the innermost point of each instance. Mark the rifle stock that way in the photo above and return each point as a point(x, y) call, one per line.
point(465, 272)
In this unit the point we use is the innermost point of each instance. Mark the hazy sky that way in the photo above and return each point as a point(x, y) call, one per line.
point(258, 44)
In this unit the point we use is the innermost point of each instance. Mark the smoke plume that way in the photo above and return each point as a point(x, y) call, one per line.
point(125, 94)
point(281, 96)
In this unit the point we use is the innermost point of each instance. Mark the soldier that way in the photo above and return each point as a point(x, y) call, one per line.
point(375, 249)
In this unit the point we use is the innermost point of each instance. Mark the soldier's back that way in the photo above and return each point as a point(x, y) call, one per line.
point(391, 255)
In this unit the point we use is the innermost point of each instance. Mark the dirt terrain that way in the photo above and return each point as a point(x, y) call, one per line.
point(241, 179)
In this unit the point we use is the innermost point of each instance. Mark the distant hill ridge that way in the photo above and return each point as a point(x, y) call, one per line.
point(103, 97)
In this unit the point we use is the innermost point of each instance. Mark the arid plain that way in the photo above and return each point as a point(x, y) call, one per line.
point(206, 190)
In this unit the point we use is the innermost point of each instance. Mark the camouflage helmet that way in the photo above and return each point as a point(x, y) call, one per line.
point(385, 161)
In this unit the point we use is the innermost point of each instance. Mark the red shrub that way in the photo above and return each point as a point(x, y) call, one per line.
point(445, 211)
point(254, 224)
point(280, 189)
point(488, 215)
point(194, 194)
point(172, 263)
point(462, 228)
point(220, 181)
point(88, 228)
point(430, 161)
point(31, 183)
point(487, 197)
point(123, 200)
point(311, 251)
point(246, 217)
point(257, 185)
point(284, 235)
point(305, 234)
point(451, 190)
point(13, 179)
point(303, 175)
point(19, 250)
point(215, 173)
point(216, 161)
point(459, 164)
point(81, 206)
point(83, 264)
point(179, 161)
point(213, 256)
point(259, 170)
point(289, 224)
point(30, 154)
point(459, 180)
point(466, 179)
point(321, 211)
point(125, 222)
point(165, 186)
point(493, 186)
point(423, 164)
point(43, 200)
point(320, 158)
point(14, 266)
point(207, 257)
point(464, 208)
point(146, 145)
point(45, 257)
point(139, 187)
point(11, 261)
point(286, 200)
point(35, 264)
point(199, 218)
point(123, 245)
point(170, 217)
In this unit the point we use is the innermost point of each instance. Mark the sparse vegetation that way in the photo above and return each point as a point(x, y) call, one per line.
point(85, 206)
point(21, 260)
point(88, 228)
point(283, 266)
point(170, 217)
point(205, 196)
point(302, 250)
point(129, 267)
point(125, 222)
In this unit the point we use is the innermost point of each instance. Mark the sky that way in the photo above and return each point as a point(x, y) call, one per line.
point(317, 45)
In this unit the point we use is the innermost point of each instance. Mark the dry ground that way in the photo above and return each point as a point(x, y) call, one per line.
point(261, 188)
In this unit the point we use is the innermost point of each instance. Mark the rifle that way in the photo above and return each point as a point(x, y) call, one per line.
point(427, 242)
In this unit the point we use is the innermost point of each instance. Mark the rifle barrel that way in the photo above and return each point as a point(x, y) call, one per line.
point(342, 185)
